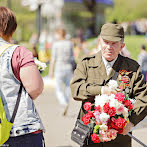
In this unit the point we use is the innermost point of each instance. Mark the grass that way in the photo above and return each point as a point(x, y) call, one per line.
point(133, 44)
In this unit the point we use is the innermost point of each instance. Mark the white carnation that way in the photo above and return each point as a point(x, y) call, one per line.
point(113, 84)
point(101, 100)
point(104, 117)
point(104, 127)
point(125, 113)
point(114, 103)
point(111, 97)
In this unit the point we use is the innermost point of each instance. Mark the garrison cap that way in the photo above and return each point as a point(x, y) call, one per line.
point(112, 32)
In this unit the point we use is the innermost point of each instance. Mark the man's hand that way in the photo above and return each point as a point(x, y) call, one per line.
point(127, 129)
point(108, 91)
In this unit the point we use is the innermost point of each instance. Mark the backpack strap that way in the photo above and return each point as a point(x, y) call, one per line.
point(2, 49)
point(16, 105)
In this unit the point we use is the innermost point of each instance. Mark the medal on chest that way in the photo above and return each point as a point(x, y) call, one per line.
point(124, 81)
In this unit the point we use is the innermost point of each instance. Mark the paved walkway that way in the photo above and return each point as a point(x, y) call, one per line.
point(58, 128)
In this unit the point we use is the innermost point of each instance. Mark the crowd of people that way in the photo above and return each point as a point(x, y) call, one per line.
point(90, 78)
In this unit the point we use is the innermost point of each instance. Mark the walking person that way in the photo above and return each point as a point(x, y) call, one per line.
point(94, 72)
point(17, 68)
point(142, 60)
point(61, 66)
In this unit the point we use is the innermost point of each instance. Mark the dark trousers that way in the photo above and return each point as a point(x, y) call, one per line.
point(28, 140)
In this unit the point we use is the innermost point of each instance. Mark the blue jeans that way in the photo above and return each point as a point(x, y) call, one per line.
point(28, 140)
point(62, 79)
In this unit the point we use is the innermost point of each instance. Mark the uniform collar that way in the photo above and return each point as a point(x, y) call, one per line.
point(98, 60)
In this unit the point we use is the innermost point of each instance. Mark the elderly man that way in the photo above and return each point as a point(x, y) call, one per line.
point(94, 72)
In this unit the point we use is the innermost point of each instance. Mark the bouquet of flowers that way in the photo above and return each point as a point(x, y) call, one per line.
point(109, 114)
point(41, 66)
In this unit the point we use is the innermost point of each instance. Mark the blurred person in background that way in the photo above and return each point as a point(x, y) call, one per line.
point(33, 43)
point(61, 67)
point(142, 60)
point(19, 70)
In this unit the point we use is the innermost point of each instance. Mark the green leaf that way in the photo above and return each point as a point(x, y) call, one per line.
point(96, 129)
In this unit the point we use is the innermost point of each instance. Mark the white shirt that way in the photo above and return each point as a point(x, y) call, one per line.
point(108, 66)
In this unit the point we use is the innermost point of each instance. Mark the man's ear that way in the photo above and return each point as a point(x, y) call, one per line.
point(122, 45)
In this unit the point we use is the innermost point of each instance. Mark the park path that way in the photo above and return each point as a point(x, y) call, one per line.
point(58, 127)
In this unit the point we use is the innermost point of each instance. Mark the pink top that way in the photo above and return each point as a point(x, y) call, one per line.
point(21, 58)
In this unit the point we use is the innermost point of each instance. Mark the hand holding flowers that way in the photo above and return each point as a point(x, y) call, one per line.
point(41, 66)
point(110, 115)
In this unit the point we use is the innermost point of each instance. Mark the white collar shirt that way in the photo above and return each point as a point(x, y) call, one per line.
point(108, 65)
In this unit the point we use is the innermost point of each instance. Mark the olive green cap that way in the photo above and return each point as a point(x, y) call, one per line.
point(112, 32)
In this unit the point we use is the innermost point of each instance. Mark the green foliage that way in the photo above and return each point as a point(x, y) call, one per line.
point(96, 129)
point(127, 10)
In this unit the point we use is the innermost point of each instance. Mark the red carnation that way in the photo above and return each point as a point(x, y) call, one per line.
point(128, 104)
point(106, 107)
point(112, 111)
point(130, 107)
point(120, 122)
point(86, 119)
point(113, 125)
point(98, 108)
point(87, 106)
point(119, 131)
point(95, 138)
point(120, 97)
point(90, 113)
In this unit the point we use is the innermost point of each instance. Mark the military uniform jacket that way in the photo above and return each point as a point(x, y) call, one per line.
point(90, 75)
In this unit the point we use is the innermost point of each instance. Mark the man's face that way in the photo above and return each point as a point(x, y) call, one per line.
point(110, 49)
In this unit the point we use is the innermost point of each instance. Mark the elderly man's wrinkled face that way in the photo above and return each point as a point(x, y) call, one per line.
point(110, 49)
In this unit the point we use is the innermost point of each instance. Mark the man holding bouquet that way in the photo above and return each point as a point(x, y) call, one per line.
point(93, 73)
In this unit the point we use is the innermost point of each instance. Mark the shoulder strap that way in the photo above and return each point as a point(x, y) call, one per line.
point(17, 104)
point(4, 47)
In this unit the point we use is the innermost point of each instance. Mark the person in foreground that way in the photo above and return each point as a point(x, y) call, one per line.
point(94, 72)
point(17, 68)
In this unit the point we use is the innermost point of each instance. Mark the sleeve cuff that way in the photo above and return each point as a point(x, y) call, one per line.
point(94, 90)
point(135, 119)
